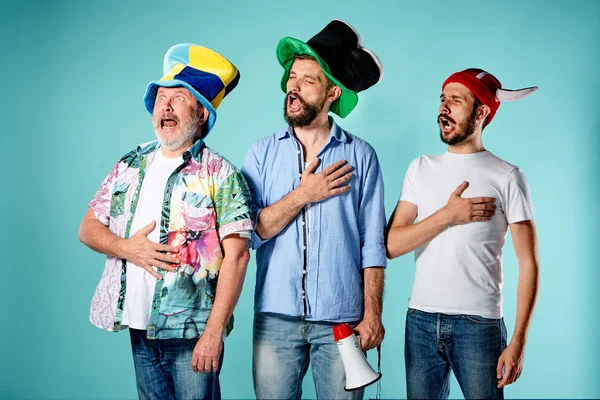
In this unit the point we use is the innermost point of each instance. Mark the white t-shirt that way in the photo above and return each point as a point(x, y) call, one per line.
point(460, 270)
point(140, 284)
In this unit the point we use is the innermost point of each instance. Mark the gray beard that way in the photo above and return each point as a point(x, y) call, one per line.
point(186, 137)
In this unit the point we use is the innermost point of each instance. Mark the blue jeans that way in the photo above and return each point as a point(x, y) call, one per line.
point(283, 348)
point(163, 369)
point(468, 344)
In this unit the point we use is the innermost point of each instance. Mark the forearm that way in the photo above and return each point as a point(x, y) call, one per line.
point(527, 292)
point(229, 288)
point(404, 239)
point(99, 238)
point(373, 279)
point(272, 219)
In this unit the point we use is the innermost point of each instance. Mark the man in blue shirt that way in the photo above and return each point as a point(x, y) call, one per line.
point(317, 194)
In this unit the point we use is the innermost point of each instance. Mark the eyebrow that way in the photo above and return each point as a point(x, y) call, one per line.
point(310, 76)
point(176, 91)
point(453, 96)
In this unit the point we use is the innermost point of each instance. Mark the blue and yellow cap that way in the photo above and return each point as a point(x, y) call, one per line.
point(206, 74)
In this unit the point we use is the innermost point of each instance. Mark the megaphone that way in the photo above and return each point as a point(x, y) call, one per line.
point(359, 373)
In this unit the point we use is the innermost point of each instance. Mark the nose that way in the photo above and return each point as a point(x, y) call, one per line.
point(444, 109)
point(293, 86)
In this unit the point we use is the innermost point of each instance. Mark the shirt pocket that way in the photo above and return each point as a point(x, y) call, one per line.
point(197, 212)
point(117, 200)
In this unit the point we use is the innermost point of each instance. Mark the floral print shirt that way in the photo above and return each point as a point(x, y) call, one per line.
point(205, 199)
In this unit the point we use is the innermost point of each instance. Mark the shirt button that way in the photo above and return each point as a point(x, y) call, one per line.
point(303, 296)
point(303, 247)
point(297, 151)
point(303, 292)
point(300, 175)
point(303, 223)
point(304, 272)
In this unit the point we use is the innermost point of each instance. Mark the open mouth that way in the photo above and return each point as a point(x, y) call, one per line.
point(294, 102)
point(445, 123)
point(168, 123)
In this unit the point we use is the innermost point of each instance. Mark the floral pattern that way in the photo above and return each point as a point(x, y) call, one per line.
point(206, 199)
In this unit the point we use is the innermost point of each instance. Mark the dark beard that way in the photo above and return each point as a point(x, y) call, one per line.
point(306, 117)
point(464, 130)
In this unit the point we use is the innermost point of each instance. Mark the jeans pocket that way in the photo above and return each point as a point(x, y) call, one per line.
point(476, 319)
point(411, 311)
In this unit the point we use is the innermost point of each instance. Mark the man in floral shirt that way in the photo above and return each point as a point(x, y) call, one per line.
point(173, 218)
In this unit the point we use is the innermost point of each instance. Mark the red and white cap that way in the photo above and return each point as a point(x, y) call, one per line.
point(487, 88)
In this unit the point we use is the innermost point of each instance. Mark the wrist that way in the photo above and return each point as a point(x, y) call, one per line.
point(370, 315)
point(120, 247)
point(300, 197)
point(214, 329)
point(444, 217)
point(518, 339)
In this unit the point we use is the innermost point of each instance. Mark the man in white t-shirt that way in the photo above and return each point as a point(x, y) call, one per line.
point(174, 218)
point(454, 212)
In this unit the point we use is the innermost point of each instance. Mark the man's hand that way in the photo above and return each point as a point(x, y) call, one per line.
point(317, 187)
point(510, 364)
point(146, 254)
point(371, 332)
point(461, 211)
point(207, 352)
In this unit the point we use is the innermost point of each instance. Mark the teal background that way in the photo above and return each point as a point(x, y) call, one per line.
point(73, 76)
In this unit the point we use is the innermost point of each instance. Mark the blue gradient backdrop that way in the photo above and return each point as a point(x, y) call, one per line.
point(74, 73)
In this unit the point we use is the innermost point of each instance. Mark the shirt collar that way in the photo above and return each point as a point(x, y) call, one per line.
point(193, 152)
point(336, 133)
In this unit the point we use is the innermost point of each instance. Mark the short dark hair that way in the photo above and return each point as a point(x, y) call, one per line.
point(476, 104)
point(328, 82)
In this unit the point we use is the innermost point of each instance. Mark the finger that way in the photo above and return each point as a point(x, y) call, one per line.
point(513, 376)
point(340, 172)
point(207, 366)
point(215, 366)
point(508, 370)
point(167, 258)
point(499, 368)
point(310, 168)
point(334, 167)
point(165, 266)
point(484, 206)
point(166, 248)
point(341, 180)
point(194, 363)
point(461, 188)
point(482, 213)
point(479, 200)
point(336, 191)
point(148, 228)
point(152, 272)
point(518, 375)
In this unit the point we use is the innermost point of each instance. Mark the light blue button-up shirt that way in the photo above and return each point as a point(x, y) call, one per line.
point(317, 275)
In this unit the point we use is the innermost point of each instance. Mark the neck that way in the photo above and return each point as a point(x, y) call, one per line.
point(174, 153)
point(315, 133)
point(472, 145)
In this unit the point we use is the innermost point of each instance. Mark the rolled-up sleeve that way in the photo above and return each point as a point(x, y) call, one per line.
point(371, 214)
point(251, 169)
point(100, 204)
point(233, 205)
